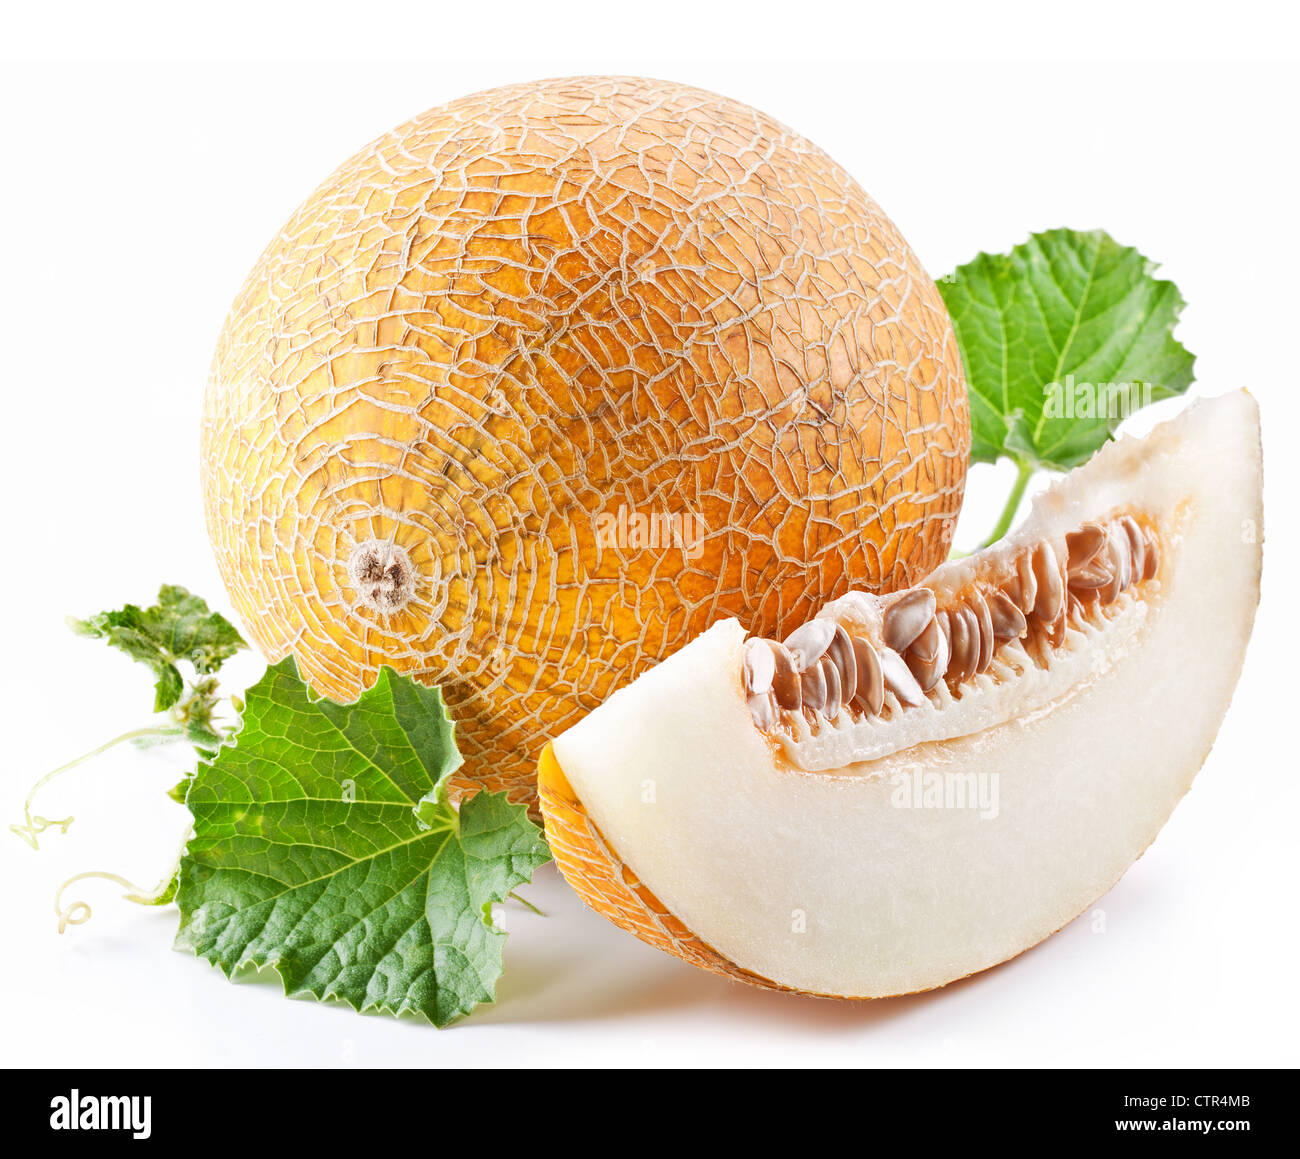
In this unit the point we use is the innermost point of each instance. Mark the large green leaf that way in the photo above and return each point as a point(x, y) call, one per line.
point(1061, 339)
point(324, 846)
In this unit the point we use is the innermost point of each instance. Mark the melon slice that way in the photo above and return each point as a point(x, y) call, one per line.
point(915, 787)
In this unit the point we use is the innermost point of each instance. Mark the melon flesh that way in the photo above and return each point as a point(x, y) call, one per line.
point(821, 881)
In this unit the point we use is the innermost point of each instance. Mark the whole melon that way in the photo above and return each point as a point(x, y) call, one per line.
point(540, 384)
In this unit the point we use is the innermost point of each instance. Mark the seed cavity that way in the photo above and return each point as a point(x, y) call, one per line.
point(825, 668)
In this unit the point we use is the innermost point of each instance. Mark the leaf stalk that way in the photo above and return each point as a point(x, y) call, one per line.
point(1024, 472)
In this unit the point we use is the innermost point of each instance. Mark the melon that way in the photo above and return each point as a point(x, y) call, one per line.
point(910, 788)
point(543, 382)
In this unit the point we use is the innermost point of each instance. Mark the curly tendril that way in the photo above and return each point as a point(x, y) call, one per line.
point(79, 912)
point(35, 824)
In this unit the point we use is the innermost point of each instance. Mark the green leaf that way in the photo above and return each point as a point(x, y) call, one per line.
point(1061, 340)
point(324, 846)
point(178, 627)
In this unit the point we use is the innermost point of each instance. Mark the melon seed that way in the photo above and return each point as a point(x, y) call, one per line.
point(1082, 546)
point(834, 693)
point(965, 644)
point(1028, 586)
point(906, 618)
point(812, 682)
point(760, 667)
point(927, 658)
point(840, 654)
point(1089, 579)
point(1122, 555)
point(899, 679)
point(870, 676)
point(978, 605)
point(1008, 620)
point(808, 642)
point(763, 710)
point(1151, 561)
point(1136, 545)
point(1047, 574)
point(785, 680)
point(945, 629)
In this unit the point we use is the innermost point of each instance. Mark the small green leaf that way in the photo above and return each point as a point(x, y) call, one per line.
point(324, 846)
point(178, 627)
point(1061, 340)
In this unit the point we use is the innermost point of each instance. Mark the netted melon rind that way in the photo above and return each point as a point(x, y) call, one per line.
point(515, 313)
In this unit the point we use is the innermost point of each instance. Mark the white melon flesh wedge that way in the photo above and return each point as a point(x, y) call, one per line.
point(861, 849)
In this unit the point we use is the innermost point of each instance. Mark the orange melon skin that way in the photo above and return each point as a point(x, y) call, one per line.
point(521, 311)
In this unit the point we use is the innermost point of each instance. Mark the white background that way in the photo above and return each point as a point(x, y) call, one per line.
point(135, 198)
